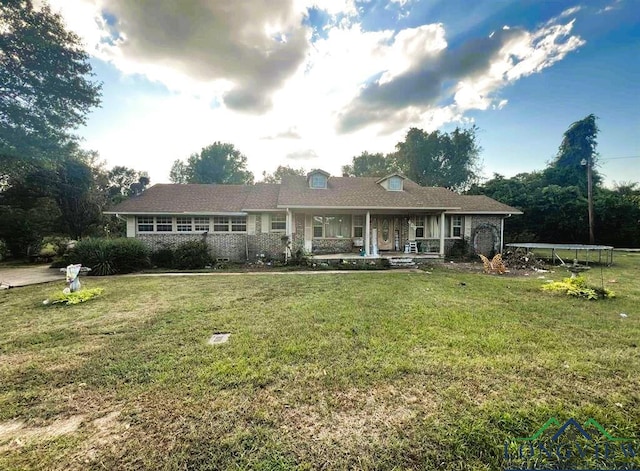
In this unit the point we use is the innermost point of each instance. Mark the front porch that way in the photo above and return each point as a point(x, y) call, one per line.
point(417, 257)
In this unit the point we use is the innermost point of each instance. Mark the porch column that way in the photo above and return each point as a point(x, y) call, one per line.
point(289, 224)
point(442, 234)
point(367, 234)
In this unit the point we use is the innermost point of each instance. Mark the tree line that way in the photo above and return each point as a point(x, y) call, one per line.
point(50, 185)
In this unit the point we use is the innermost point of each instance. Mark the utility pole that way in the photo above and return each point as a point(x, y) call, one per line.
point(588, 162)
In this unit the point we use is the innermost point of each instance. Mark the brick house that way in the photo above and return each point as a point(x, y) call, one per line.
point(317, 214)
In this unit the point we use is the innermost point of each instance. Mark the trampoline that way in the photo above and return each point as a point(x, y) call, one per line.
point(601, 249)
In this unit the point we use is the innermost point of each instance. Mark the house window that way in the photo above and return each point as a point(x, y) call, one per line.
point(220, 224)
point(318, 227)
point(145, 224)
point(164, 224)
point(358, 226)
point(229, 224)
point(278, 222)
point(456, 226)
point(332, 227)
point(395, 184)
point(433, 227)
point(184, 224)
point(200, 224)
point(239, 224)
point(318, 181)
point(420, 228)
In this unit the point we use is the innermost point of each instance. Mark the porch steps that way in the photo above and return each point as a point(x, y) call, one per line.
point(404, 262)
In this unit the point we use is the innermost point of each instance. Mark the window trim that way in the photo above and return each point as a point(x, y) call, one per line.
point(355, 226)
point(230, 222)
point(316, 178)
point(324, 224)
point(149, 224)
point(182, 223)
point(420, 225)
point(456, 226)
point(164, 221)
point(283, 217)
point(397, 179)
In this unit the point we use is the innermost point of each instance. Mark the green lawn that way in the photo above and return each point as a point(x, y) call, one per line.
point(373, 370)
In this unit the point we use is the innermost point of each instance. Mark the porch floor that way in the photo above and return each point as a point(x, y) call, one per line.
point(381, 255)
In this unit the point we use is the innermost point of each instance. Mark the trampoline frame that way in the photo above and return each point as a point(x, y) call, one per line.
point(607, 249)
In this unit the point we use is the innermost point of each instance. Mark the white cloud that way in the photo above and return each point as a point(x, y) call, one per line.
point(384, 81)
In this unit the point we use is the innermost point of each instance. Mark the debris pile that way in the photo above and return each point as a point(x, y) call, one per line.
point(522, 259)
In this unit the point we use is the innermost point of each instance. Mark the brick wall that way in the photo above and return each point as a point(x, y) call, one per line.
point(324, 246)
point(232, 246)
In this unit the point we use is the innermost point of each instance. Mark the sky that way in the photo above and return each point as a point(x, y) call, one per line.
point(314, 83)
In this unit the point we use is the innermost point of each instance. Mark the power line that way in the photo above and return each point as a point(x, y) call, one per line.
point(618, 158)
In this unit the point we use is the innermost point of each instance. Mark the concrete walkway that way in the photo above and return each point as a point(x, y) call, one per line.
point(11, 277)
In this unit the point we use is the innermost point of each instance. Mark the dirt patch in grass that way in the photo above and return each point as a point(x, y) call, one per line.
point(100, 433)
point(355, 416)
point(18, 434)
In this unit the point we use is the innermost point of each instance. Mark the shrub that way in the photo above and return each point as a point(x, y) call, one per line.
point(460, 250)
point(578, 287)
point(111, 256)
point(163, 257)
point(58, 244)
point(76, 297)
point(192, 255)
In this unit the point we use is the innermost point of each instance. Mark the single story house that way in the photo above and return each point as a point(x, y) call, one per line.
point(316, 214)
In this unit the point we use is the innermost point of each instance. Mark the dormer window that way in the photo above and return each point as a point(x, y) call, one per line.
point(317, 179)
point(395, 183)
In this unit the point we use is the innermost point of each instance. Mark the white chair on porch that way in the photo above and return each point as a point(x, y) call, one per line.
point(411, 247)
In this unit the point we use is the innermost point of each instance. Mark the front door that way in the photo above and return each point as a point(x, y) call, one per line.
point(385, 233)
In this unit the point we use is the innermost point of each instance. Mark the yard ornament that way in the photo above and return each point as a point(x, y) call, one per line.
point(73, 277)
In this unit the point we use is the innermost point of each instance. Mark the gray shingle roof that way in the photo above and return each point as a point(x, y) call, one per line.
point(484, 204)
point(362, 192)
point(294, 192)
point(192, 198)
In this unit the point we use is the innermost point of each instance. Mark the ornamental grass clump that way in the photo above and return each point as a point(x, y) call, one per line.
point(578, 288)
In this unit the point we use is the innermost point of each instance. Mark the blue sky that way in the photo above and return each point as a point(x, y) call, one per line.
point(311, 83)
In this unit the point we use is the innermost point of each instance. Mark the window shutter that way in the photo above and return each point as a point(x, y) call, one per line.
point(251, 224)
point(265, 223)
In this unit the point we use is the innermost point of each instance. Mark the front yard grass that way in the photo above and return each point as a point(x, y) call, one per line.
point(380, 370)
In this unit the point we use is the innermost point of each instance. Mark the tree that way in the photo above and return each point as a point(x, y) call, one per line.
point(282, 171)
point(28, 211)
point(575, 162)
point(45, 91)
point(440, 159)
point(577, 149)
point(217, 163)
point(77, 196)
point(178, 173)
point(370, 165)
point(123, 182)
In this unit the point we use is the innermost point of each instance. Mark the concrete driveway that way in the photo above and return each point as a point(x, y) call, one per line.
point(11, 277)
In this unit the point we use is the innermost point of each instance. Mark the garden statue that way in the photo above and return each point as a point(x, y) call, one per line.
point(73, 277)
